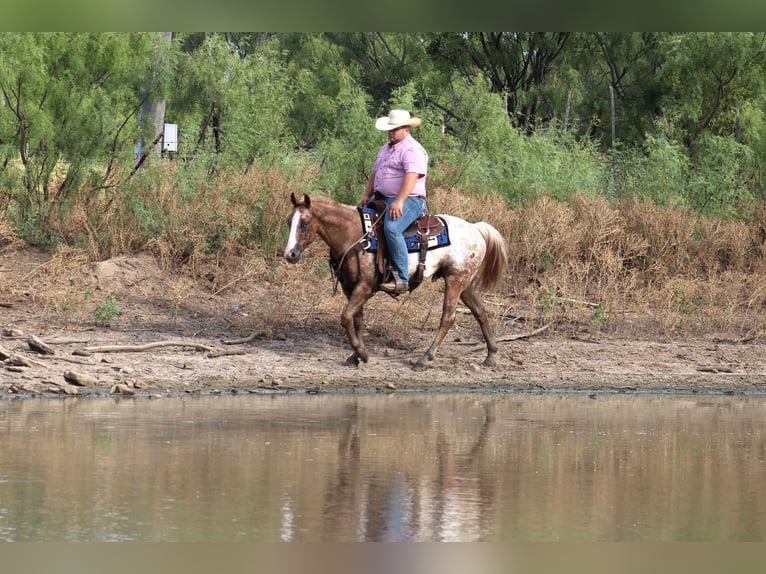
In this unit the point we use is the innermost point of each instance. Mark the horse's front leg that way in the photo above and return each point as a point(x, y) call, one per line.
point(352, 320)
point(452, 290)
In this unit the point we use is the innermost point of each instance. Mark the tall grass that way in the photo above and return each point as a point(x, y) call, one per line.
point(631, 264)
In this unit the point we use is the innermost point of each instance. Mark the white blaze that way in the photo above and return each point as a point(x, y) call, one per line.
point(291, 241)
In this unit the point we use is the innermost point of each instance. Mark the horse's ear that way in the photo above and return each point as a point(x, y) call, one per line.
point(307, 200)
point(292, 198)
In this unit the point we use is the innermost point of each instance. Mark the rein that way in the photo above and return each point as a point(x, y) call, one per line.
point(365, 236)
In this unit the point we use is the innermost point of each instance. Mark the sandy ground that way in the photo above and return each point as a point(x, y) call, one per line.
point(173, 336)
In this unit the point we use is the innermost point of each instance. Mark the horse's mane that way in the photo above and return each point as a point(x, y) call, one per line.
point(329, 202)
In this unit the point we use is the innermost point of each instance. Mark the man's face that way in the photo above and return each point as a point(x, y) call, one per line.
point(398, 134)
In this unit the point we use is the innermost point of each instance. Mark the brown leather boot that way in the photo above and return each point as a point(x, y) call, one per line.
point(396, 288)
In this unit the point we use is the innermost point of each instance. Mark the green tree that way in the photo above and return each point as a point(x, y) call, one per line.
point(516, 65)
point(234, 102)
point(69, 107)
point(708, 76)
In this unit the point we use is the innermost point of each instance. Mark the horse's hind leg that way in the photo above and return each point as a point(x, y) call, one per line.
point(473, 301)
point(452, 289)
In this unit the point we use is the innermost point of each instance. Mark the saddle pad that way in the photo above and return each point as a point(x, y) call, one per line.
point(413, 241)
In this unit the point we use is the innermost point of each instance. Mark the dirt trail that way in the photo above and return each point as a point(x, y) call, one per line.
point(178, 329)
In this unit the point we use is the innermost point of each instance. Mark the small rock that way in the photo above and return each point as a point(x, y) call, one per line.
point(121, 389)
point(123, 370)
point(56, 387)
point(239, 310)
point(79, 379)
point(12, 332)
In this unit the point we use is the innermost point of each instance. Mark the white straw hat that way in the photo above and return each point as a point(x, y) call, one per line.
point(396, 119)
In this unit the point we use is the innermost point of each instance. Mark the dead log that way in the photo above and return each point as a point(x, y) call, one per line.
point(39, 346)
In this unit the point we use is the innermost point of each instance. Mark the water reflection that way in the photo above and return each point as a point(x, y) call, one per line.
point(456, 467)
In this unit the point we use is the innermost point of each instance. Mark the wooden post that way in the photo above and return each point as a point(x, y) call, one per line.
point(614, 143)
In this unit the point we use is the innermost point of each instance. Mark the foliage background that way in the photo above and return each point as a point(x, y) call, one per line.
point(667, 212)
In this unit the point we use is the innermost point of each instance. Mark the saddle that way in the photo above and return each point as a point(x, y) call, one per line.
point(422, 231)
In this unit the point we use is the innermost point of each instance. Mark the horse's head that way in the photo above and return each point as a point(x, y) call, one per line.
point(303, 229)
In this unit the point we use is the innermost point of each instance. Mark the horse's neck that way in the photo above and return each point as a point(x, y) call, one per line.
point(341, 226)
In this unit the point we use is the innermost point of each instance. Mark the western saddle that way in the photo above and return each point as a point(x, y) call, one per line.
point(424, 227)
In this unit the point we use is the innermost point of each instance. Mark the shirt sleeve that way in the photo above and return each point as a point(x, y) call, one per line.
point(415, 160)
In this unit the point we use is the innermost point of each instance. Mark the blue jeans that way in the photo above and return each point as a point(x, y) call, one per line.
point(394, 232)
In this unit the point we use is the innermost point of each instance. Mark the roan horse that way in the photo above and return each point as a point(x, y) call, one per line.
point(475, 259)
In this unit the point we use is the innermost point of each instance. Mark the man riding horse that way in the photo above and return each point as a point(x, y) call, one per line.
point(398, 178)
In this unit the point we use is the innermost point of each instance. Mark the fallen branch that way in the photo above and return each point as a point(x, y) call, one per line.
point(35, 270)
point(715, 369)
point(22, 361)
point(70, 341)
point(224, 353)
point(93, 360)
point(579, 302)
point(251, 337)
point(740, 340)
point(514, 337)
point(147, 347)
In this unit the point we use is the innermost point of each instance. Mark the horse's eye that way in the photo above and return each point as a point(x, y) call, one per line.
point(304, 224)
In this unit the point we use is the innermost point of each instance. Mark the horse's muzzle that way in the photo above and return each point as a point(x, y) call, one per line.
point(294, 254)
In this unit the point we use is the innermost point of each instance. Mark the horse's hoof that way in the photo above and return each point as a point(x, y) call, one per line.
point(420, 366)
point(490, 362)
point(353, 359)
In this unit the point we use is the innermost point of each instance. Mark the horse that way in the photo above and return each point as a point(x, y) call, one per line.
point(475, 259)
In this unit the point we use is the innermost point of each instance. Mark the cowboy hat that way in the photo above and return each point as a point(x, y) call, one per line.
point(396, 119)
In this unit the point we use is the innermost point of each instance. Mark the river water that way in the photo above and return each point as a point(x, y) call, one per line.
point(375, 467)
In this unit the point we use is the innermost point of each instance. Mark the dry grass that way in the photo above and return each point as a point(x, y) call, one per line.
point(587, 264)
point(9, 239)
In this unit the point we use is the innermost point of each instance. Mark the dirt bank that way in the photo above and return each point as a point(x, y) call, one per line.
point(171, 333)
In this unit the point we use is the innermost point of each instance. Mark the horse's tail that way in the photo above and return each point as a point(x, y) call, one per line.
point(495, 259)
